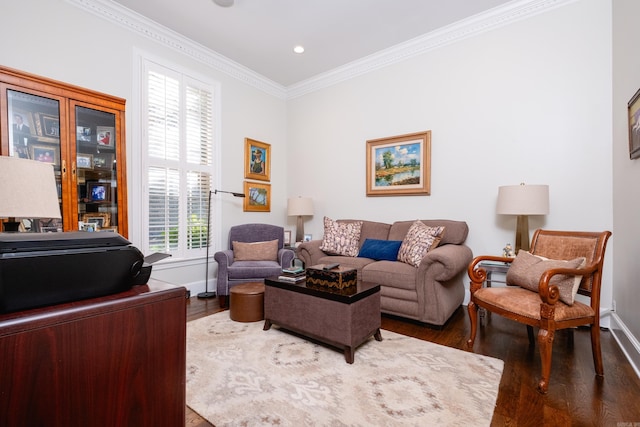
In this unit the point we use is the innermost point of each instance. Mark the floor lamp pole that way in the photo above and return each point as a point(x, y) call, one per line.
point(206, 293)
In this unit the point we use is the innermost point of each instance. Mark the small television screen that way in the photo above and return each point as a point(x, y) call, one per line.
point(99, 192)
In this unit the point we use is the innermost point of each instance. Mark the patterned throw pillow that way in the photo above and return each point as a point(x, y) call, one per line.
point(526, 270)
point(419, 240)
point(341, 238)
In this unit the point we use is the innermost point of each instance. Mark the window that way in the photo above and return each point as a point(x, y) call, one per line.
point(178, 151)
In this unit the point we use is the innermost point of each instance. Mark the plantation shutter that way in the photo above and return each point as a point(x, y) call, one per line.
point(179, 124)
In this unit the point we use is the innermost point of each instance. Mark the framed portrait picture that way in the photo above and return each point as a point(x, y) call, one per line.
point(84, 161)
point(399, 165)
point(101, 219)
point(257, 160)
point(258, 197)
point(287, 238)
point(307, 238)
point(45, 153)
point(106, 136)
point(634, 125)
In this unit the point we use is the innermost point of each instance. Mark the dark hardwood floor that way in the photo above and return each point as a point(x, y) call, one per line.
point(576, 396)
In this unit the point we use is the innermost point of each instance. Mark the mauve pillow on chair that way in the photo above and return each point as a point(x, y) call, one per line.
point(379, 250)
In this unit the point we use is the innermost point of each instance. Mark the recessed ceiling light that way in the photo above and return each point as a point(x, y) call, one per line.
point(298, 49)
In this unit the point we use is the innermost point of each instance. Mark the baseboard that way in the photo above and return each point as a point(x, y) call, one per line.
point(627, 342)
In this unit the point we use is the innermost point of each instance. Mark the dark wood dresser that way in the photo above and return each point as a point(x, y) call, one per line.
point(111, 361)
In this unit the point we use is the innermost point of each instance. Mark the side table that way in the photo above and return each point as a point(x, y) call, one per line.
point(492, 267)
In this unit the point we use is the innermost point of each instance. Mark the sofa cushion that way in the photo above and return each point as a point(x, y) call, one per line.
point(341, 238)
point(380, 249)
point(456, 234)
point(419, 240)
point(255, 251)
point(526, 270)
point(391, 274)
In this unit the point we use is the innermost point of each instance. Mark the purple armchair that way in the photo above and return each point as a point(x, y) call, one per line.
point(232, 272)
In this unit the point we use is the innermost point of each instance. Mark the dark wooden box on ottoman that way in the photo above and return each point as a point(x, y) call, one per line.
point(338, 277)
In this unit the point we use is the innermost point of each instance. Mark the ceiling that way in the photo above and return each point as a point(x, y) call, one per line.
point(261, 34)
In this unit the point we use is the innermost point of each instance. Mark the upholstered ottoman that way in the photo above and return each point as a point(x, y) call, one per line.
point(246, 302)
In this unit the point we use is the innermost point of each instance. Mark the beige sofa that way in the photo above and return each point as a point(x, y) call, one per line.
point(429, 293)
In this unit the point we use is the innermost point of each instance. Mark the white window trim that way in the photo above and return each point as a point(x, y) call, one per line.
point(137, 185)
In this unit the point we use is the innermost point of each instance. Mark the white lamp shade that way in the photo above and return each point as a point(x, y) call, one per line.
point(27, 189)
point(523, 200)
point(300, 206)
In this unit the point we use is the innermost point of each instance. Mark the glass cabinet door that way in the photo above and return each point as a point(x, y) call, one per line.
point(96, 169)
point(34, 133)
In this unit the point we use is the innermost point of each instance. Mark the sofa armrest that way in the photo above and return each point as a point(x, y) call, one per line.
point(310, 252)
point(285, 256)
point(451, 260)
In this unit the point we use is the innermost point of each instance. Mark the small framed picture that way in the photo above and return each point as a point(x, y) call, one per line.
point(50, 125)
point(83, 133)
point(307, 238)
point(103, 161)
point(258, 197)
point(45, 153)
point(287, 237)
point(84, 161)
point(100, 219)
point(106, 136)
point(99, 192)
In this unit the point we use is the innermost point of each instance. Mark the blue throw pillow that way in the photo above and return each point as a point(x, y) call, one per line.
point(380, 249)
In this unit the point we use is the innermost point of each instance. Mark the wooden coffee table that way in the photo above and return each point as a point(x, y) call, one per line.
point(344, 318)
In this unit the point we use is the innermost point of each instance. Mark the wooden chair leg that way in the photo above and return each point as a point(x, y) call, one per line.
point(223, 300)
point(596, 350)
point(472, 308)
point(545, 342)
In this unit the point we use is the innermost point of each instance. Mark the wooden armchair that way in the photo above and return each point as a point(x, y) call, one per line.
point(543, 309)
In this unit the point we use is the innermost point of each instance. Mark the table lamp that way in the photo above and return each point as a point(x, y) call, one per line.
point(523, 200)
point(300, 206)
point(27, 190)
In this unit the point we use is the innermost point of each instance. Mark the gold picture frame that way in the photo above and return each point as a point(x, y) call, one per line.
point(399, 165)
point(45, 153)
point(257, 160)
point(257, 197)
point(102, 219)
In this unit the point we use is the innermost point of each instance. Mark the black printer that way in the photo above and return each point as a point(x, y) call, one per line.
point(40, 269)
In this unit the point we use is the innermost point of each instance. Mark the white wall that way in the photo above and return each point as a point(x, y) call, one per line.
point(55, 39)
point(626, 176)
point(529, 102)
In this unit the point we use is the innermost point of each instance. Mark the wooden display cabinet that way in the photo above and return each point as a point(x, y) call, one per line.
point(82, 134)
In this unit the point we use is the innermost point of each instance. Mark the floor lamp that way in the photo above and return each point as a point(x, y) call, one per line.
point(206, 293)
point(523, 200)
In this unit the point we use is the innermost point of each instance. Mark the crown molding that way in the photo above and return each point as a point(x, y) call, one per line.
point(120, 15)
point(500, 16)
point(491, 19)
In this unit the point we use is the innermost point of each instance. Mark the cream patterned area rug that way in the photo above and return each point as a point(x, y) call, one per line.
point(240, 375)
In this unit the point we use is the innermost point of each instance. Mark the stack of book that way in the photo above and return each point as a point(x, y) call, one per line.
point(294, 274)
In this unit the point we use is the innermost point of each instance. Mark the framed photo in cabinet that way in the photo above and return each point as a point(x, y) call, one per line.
point(45, 153)
point(99, 192)
point(84, 161)
point(106, 136)
point(101, 219)
point(103, 161)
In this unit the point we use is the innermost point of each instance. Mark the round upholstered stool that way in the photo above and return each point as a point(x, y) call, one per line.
point(246, 302)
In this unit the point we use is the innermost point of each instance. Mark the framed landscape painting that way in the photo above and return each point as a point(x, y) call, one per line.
point(399, 165)
point(257, 197)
